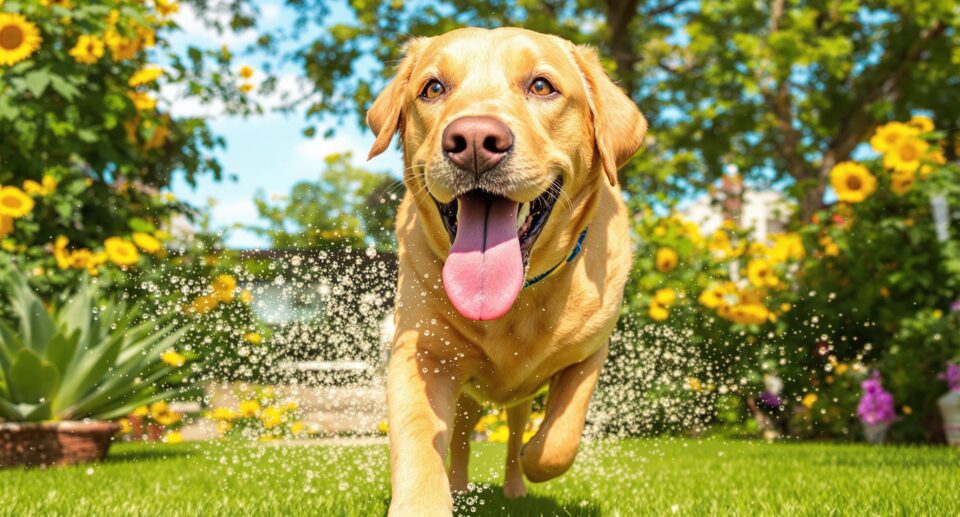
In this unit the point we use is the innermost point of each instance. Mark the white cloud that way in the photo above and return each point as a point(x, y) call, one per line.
point(195, 28)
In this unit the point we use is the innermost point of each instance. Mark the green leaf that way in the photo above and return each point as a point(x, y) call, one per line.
point(64, 88)
point(37, 81)
point(10, 345)
point(36, 327)
point(31, 379)
point(62, 348)
point(87, 135)
point(138, 224)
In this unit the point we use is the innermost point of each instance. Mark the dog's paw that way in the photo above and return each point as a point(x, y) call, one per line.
point(422, 508)
point(514, 489)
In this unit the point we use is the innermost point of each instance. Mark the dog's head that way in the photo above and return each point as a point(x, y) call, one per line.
point(500, 129)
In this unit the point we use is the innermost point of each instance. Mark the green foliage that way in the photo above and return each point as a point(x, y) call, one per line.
point(84, 358)
point(780, 90)
point(348, 207)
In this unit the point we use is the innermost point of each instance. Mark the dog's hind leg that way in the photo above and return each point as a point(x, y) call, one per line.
point(552, 450)
point(468, 412)
point(513, 485)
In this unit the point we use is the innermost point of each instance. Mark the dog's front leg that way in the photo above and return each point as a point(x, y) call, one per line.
point(421, 396)
point(552, 450)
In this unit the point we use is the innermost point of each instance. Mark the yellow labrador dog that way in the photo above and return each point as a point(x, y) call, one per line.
point(513, 249)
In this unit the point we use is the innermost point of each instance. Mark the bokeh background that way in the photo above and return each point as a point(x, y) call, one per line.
point(794, 208)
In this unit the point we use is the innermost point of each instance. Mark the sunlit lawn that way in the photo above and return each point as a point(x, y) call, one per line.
point(634, 477)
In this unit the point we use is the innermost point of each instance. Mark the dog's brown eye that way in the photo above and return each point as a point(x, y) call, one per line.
point(541, 87)
point(432, 90)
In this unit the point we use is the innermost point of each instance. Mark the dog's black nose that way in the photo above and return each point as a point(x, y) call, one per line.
point(477, 144)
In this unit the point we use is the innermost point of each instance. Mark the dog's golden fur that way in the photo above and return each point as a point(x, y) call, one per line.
point(556, 333)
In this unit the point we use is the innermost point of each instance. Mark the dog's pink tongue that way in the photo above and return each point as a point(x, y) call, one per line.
point(484, 272)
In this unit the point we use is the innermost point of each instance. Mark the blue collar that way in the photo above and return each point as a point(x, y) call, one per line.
point(573, 254)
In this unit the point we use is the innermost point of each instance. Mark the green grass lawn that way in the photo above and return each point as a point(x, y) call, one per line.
point(632, 477)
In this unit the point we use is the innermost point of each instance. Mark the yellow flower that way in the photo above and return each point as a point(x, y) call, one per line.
point(830, 247)
point(224, 287)
point(80, 259)
point(382, 427)
point(499, 435)
point(166, 7)
point(922, 123)
point(141, 411)
point(173, 438)
point(749, 313)
point(145, 76)
point(809, 400)
point(125, 427)
point(6, 225)
point(760, 273)
point(147, 242)
point(121, 251)
point(204, 304)
point(222, 413)
point(905, 155)
point(158, 409)
point(246, 72)
point(888, 135)
point(786, 246)
point(902, 182)
point(253, 337)
point(711, 297)
point(169, 197)
point(297, 427)
point(665, 296)
point(142, 101)
point(88, 50)
point(68, 4)
point(246, 88)
point(246, 296)
point(852, 182)
point(18, 38)
point(666, 259)
point(694, 384)
point(122, 48)
point(249, 408)
point(14, 202)
point(172, 358)
point(658, 312)
point(95, 261)
point(271, 417)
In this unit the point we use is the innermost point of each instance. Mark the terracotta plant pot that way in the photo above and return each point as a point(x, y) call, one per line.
point(54, 443)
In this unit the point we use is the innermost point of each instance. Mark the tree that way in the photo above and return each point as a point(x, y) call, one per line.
point(781, 91)
point(87, 144)
point(348, 207)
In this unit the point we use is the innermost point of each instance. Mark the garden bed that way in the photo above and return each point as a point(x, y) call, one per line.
point(629, 477)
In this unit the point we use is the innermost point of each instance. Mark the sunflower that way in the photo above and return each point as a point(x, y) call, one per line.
point(246, 72)
point(889, 134)
point(658, 312)
point(666, 259)
point(88, 50)
point(224, 287)
point(665, 296)
point(711, 297)
point(121, 251)
point(760, 273)
point(6, 225)
point(852, 182)
point(246, 88)
point(142, 101)
point(147, 242)
point(18, 39)
point(923, 124)
point(902, 182)
point(14, 202)
point(166, 7)
point(145, 76)
point(905, 155)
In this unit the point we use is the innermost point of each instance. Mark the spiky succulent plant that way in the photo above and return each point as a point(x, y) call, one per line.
point(84, 358)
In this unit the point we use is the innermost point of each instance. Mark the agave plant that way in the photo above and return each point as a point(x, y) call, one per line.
point(80, 359)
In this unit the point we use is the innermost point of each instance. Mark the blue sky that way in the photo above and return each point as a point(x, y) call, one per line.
point(267, 153)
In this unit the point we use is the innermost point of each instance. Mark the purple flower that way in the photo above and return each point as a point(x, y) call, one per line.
point(876, 404)
point(951, 376)
point(955, 306)
point(770, 400)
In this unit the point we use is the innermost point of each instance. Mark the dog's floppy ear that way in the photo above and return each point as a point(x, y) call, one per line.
point(383, 117)
point(618, 125)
